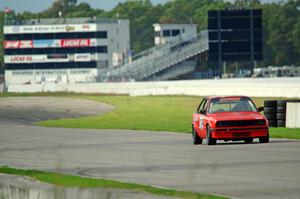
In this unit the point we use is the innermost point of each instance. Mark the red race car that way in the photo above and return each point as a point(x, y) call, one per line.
point(229, 118)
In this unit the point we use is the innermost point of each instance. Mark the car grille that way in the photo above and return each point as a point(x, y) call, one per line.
point(241, 123)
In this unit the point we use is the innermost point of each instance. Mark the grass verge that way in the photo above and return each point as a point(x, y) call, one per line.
point(159, 113)
point(76, 181)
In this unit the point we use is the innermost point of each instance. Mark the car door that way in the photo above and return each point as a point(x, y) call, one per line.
point(200, 117)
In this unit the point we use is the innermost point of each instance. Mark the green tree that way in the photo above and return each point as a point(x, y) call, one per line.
point(281, 21)
point(63, 6)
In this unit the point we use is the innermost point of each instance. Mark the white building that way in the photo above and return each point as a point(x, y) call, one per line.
point(165, 33)
point(62, 50)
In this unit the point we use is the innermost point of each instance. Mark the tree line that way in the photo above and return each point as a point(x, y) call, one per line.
point(281, 21)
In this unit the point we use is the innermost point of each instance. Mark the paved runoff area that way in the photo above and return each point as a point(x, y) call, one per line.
point(28, 110)
point(164, 159)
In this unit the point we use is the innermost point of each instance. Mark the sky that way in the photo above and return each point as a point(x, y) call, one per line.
point(40, 5)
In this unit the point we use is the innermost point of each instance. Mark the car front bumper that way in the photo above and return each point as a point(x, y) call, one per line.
point(239, 132)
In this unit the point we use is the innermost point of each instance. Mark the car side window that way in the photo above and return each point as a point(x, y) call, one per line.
point(205, 105)
point(199, 107)
point(202, 105)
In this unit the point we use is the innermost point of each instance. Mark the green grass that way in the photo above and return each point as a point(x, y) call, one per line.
point(76, 181)
point(137, 113)
point(285, 133)
point(160, 113)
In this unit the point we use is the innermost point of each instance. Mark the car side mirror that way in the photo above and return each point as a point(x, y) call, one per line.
point(260, 109)
point(203, 112)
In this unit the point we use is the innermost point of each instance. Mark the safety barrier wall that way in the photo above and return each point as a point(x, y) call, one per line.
point(266, 87)
point(292, 115)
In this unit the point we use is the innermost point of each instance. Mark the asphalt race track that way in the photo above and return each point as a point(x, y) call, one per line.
point(165, 159)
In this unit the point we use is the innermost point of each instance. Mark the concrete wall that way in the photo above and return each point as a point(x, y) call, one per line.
point(19, 77)
point(267, 87)
point(293, 115)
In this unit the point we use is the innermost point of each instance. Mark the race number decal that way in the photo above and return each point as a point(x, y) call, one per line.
point(201, 122)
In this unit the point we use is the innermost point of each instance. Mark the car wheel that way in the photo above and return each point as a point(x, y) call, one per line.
point(248, 140)
point(209, 139)
point(196, 138)
point(264, 139)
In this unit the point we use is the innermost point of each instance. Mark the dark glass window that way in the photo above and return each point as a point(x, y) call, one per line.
point(175, 32)
point(59, 65)
point(36, 51)
point(166, 33)
point(68, 35)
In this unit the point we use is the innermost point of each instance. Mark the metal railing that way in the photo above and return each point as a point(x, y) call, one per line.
point(158, 58)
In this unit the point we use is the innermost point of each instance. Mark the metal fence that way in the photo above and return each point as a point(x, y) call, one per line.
point(152, 61)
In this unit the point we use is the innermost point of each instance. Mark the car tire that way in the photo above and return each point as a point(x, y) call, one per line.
point(280, 123)
point(280, 116)
point(248, 140)
point(209, 140)
point(270, 110)
point(281, 109)
point(272, 123)
point(281, 103)
point(196, 139)
point(270, 116)
point(264, 139)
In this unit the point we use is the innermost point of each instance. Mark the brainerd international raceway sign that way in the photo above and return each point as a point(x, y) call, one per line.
point(50, 28)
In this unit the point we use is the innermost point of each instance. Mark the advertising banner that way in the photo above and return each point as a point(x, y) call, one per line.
point(79, 57)
point(67, 43)
point(35, 58)
point(25, 58)
point(82, 57)
point(18, 44)
point(50, 43)
point(46, 43)
point(57, 56)
point(50, 28)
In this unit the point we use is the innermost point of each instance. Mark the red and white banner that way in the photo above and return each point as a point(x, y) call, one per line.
point(18, 44)
point(66, 43)
point(50, 43)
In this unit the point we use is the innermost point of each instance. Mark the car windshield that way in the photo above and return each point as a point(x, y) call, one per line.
point(231, 105)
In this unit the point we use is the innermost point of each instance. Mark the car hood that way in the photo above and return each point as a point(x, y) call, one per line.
point(222, 116)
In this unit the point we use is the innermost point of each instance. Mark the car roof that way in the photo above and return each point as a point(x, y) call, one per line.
point(226, 96)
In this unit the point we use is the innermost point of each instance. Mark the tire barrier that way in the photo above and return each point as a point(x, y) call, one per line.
point(275, 112)
point(270, 111)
